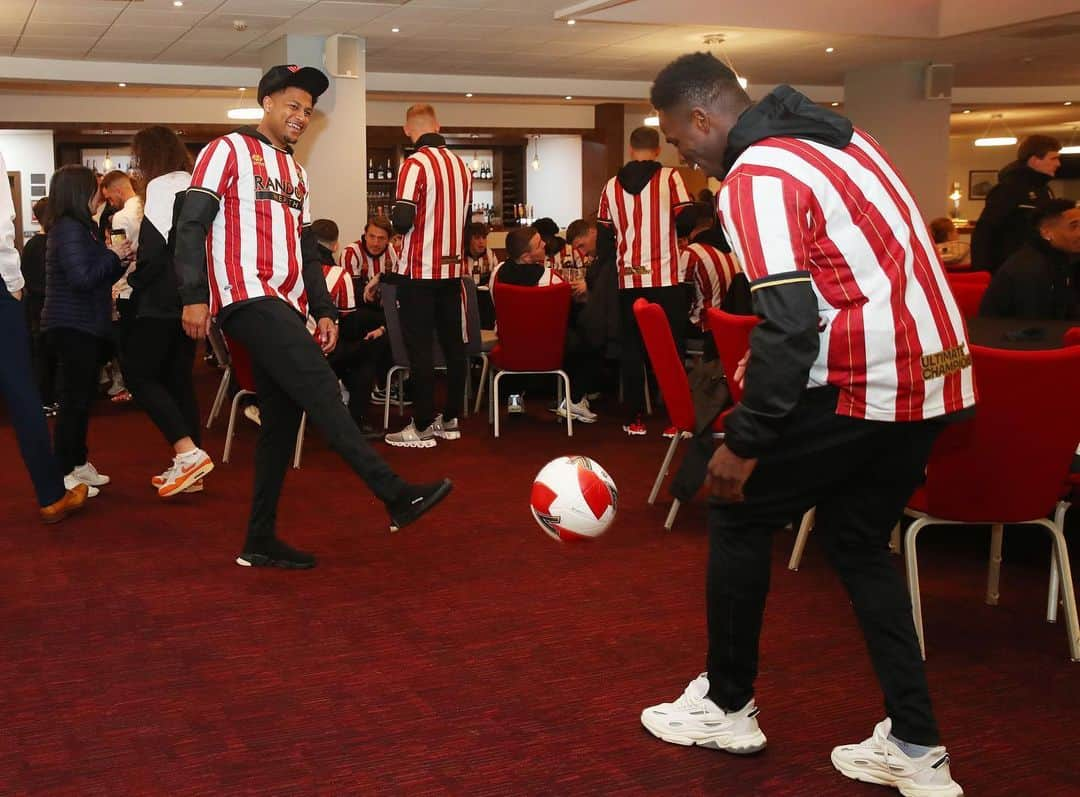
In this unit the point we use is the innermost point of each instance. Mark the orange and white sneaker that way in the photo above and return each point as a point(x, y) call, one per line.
point(161, 478)
point(187, 469)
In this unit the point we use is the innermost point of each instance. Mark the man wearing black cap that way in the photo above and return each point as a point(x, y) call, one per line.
point(249, 208)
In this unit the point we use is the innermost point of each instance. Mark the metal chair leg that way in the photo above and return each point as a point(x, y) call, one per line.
point(912, 561)
point(993, 575)
point(564, 379)
point(801, 538)
point(648, 392)
point(219, 398)
point(669, 521)
point(1052, 595)
point(482, 385)
point(664, 466)
point(232, 423)
point(299, 441)
point(1068, 594)
point(495, 400)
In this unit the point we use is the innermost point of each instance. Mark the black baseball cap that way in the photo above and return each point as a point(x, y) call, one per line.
point(308, 78)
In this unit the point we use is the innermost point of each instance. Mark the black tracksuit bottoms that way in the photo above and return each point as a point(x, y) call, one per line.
point(292, 376)
point(429, 309)
point(676, 303)
point(157, 361)
point(859, 474)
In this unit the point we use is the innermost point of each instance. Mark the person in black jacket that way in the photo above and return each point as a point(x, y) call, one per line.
point(1041, 280)
point(33, 270)
point(158, 357)
point(1022, 186)
point(80, 270)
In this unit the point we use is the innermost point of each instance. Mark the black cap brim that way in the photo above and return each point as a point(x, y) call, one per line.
point(308, 78)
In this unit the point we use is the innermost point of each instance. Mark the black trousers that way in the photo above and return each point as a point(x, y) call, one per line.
point(41, 355)
point(431, 308)
point(24, 403)
point(632, 357)
point(859, 474)
point(293, 377)
point(79, 356)
point(354, 362)
point(157, 361)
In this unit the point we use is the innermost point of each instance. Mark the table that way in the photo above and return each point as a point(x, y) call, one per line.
point(1002, 333)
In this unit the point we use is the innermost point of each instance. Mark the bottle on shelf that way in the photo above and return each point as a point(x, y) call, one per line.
point(389, 170)
point(370, 170)
point(380, 174)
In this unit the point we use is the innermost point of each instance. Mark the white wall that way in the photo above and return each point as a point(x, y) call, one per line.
point(26, 152)
point(555, 190)
point(489, 114)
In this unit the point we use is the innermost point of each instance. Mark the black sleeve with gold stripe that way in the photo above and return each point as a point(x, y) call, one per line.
point(320, 305)
point(402, 216)
point(783, 348)
point(200, 207)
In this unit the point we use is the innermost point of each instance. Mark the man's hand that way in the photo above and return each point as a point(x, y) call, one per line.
point(740, 370)
point(327, 334)
point(578, 288)
point(123, 250)
point(196, 320)
point(371, 290)
point(17, 295)
point(375, 334)
point(728, 474)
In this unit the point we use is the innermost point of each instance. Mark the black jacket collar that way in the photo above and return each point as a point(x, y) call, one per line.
point(430, 140)
point(253, 132)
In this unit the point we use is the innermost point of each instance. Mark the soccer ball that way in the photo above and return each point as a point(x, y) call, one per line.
point(573, 498)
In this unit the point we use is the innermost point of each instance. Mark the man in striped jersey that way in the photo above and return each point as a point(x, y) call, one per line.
point(372, 255)
point(710, 271)
point(859, 356)
point(641, 217)
point(434, 192)
point(245, 253)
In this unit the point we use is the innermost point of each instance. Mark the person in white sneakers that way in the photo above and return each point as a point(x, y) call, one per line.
point(858, 362)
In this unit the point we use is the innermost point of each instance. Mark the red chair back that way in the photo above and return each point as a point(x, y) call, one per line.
point(240, 361)
point(1008, 464)
point(1072, 336)
point(732, 336)
point(666, 363)
point(532, 327)
point(968, 296)
point(982, 277)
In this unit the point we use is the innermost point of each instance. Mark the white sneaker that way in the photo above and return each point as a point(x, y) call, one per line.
point(879, 760)
point(409, 437)
point(695, 719)
point(447, 430)
point(344, 392)
point(70, 482)
point(88, 475)
point(515, 404)
point(580, 411)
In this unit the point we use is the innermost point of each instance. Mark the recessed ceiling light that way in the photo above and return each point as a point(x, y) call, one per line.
point(967, 110)
point(571, 22)
point(1067, 102)
point(569, 97)
point(468, 94)
point(178, 3)
point(830, 49)
point(835, 104)
point(395, 30)
point(122, 85)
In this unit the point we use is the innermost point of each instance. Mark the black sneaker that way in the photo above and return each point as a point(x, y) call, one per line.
point(275, 553)
point(416, 501)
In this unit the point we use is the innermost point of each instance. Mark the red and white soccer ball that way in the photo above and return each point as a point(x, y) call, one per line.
point(573, 498)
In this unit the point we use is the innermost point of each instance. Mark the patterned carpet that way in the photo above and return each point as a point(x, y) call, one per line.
point(469, 654)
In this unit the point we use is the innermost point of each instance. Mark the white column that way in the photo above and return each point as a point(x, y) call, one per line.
point(888, 102)
point(333, 150)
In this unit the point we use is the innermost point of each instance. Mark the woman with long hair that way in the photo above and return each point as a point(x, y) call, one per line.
point(80, 269)
point(159, 357)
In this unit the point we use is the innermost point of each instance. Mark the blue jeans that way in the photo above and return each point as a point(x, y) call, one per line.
point(24, 402)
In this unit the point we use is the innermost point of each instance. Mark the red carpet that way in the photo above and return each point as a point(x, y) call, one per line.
point(469, 654)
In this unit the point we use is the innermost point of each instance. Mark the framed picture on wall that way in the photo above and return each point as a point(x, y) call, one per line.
point(980, 183)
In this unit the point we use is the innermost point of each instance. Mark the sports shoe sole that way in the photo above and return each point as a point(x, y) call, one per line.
point(577, 418)
point(414, 514)
point(190, 479)
point(744, 744)
point(451, 435)
point(411, 443)
point(260, 560)
point(635, 432)
point(393, 401)
point(906, 787)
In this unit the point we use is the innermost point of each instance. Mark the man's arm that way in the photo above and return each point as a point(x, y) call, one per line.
point(1000, 203)
point(9, 255)
point(409, 188)
point(762, 219)
point(320, 305)
point(682, 206)
point(605, 229)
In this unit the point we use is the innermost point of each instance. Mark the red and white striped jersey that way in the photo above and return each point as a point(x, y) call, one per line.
point(892, 338)
point(339, 285)
point(567, 255)
point(254, 243)
point(439, 185)
point(710, 271)
point(484, 264)
point(646, 245)
point(359, 263)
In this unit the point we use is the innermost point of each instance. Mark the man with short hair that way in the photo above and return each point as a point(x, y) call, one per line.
point(641, 217)
point(372, 255)
point(480, 261)
point(581, 236)
point(248, 208)
point(859, 357)
point(1023, 186)
point(434, 193)
point(118, 193)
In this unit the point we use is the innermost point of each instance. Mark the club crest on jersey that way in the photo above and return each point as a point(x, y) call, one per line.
point(257, 159)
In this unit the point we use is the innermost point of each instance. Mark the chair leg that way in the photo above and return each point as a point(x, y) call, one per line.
point(648, 392)
point(664, 467)
point(669, 521)
point(219, 399)
point(801, 538)
point(299, 441)
point(911, 559)
point(1052, 595)
point(401, 391)
point(564, 379)
point(232, 423)
point(894, 540)
point(1068, 594)
point(993, 576)
point(495, 401)
point(483, 383)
